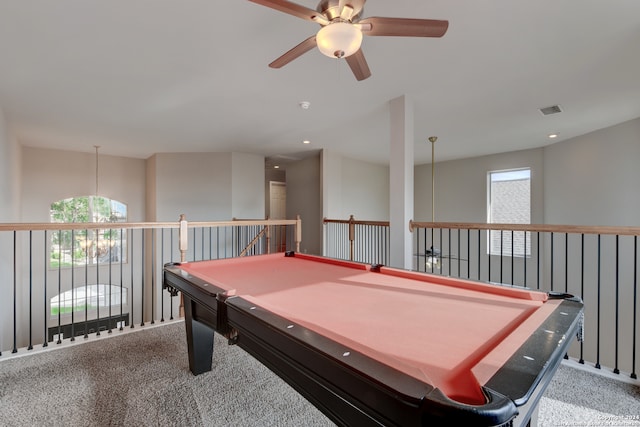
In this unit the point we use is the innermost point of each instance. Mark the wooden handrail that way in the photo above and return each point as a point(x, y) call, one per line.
point(26, 226)
point(348, 221)
point(546, 228)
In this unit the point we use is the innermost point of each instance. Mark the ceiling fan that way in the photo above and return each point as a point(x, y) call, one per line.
point(343, 28)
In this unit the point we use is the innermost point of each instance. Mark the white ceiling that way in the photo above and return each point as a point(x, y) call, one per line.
point(139, 77)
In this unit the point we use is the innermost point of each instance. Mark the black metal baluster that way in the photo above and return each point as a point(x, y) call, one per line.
point(433, 246)
point(30, 347)
point(449, 249)
point(153, 272)
point(566, 263)
point(459, 253)
point(468, 253)
point(615, 368)
point(440, 242)
point(512, 258)
point(635, 306)
point(171, 245)
point(489, 240)
point(582, 290)
point(417, 233)
point(86, 291)
point(109, 284)
point(524, 261)
point(551, 270)
point(538, 259)
point(15, 295)
point(121, 259)
point(479, 254)
point(131, 291)
point(73, 298)
point(142, 264)
point(501, 254)
point(46, 314)
point(598, 311)
point(566, 270)
point(426, 246)
point(162, 230)
point(97, 291)
point(60, 287)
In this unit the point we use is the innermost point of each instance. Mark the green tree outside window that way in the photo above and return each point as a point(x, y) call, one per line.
point(88, 247)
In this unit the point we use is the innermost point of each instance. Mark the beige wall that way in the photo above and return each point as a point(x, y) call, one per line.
point(10, 180)
point(593, 179)
point(52, 175)
point(354, 187)
point(247, 186)
point(461, 186)
point(207, 186)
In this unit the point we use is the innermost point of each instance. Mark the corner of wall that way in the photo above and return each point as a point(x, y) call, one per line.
point(10, 173)
point(150, 189)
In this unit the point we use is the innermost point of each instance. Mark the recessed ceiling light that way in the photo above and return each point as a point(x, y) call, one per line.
point(276, 167)
point(553, 135)
point(306, 141)
point(304, 105)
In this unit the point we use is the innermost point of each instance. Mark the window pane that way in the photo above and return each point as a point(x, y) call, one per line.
point(80, 247)
point(510, 203)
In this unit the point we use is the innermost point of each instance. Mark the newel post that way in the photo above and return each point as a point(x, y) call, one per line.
point(183, 238)
point(352, 236)
point(298, 235)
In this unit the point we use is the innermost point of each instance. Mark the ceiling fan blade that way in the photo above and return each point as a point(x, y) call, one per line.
point(297, 51)
point(358, 65)
point(290, 8)
point(407, 27)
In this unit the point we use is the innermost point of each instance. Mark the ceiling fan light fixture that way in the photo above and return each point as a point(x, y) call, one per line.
point(339, 40)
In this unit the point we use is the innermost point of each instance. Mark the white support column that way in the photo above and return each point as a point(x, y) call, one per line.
point(401, 181)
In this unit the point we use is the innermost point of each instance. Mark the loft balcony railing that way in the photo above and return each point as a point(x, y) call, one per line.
point(598, 264)
point(362, 241)
point(64, 281)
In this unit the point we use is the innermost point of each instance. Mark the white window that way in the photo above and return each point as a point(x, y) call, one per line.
point(89, 298)
point(509, 203)
point(92, 247)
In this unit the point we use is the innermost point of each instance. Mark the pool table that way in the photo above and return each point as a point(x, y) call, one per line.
point(373, 345)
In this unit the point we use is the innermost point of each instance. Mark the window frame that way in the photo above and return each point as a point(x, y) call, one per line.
point(505, 239)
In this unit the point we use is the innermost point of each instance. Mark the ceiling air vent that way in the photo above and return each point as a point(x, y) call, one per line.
point(554, 109)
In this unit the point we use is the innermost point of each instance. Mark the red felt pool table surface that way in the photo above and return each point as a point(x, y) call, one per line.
point(453, 334)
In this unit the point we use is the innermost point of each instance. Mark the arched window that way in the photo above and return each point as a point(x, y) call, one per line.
point(89, 298)
point(94, 246)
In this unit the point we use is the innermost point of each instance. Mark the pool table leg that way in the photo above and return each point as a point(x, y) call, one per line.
point(199, 340)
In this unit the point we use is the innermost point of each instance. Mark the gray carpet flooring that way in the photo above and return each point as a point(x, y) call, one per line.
point(142, 379)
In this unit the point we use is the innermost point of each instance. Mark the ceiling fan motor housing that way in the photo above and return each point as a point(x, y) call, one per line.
point(331, 8)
